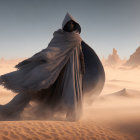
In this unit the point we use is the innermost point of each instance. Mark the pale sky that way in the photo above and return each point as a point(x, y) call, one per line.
point(27, 26)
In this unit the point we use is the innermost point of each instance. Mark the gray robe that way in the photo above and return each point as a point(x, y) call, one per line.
point(57, 75)
point(42, 70)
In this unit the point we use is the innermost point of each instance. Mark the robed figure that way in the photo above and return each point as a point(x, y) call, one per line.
point(57, 77)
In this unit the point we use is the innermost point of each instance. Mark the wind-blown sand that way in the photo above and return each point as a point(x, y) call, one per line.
point(114, 115)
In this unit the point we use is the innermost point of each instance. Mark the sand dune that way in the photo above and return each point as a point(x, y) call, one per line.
point(124, 93)
point(50, 130)
point(114, 115)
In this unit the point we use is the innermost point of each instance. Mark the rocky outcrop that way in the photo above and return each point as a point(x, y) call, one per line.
point(113, 58)
point(134, 59)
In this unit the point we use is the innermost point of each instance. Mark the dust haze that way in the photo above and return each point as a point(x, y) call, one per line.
point(116, 111)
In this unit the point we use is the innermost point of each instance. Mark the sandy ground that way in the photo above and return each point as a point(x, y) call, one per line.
point(112, 116)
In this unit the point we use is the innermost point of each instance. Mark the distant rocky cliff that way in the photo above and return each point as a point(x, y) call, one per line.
point(134, 59)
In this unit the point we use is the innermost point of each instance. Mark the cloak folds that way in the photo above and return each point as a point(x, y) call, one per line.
point(42, 69)
point(56, 72)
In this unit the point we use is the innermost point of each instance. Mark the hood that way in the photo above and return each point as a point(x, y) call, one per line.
point(67, 18)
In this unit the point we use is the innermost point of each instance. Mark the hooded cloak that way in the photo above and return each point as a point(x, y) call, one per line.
point(42, 69)
point(60, 72)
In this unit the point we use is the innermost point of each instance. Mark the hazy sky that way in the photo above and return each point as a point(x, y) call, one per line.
point(27, 26)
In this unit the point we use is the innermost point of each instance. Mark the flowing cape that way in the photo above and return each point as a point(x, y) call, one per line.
point(94, 77)
point(42, 69)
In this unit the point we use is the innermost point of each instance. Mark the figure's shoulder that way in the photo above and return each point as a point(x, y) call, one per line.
point(58, 31)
